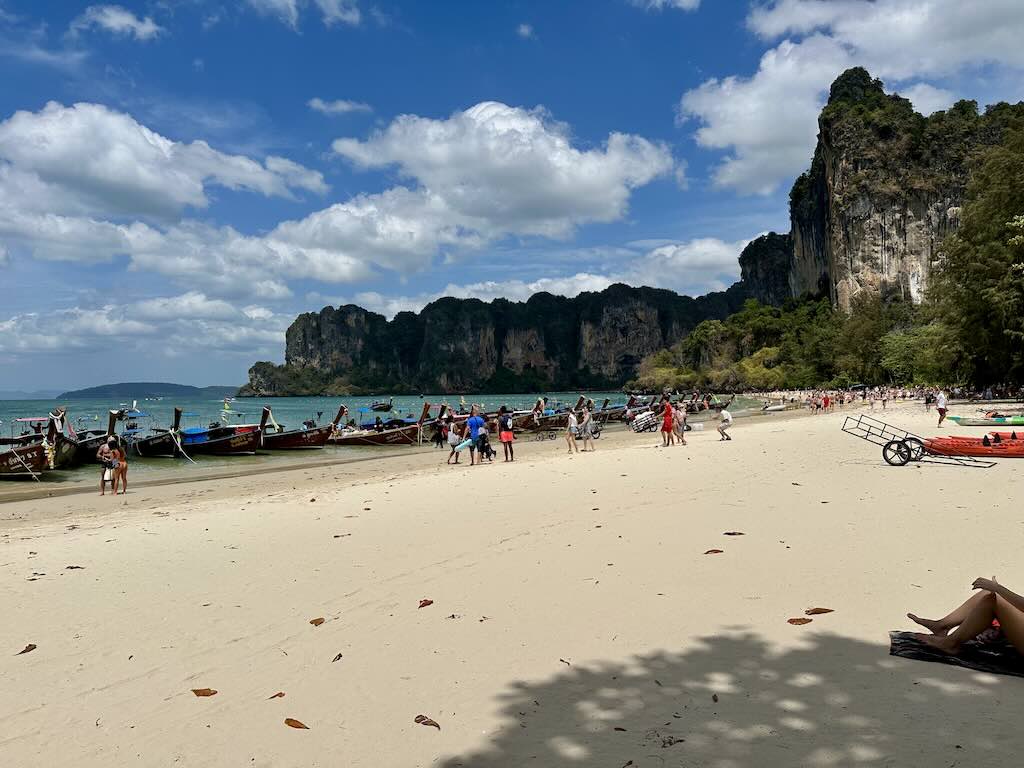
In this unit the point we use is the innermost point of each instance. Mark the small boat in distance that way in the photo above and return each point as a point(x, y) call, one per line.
point(381, 406)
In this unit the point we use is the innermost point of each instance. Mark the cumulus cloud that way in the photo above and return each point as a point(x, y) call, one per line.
point(88, 184)
point(188, 324)
point(766, 121)
point(926, 98)
point(338, 106)
point(89, 160)
point(116, 20)
point(525, 31)
point(332, 11)
point(500, 170)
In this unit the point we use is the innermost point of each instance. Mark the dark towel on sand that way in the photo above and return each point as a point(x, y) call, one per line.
point(997, 658)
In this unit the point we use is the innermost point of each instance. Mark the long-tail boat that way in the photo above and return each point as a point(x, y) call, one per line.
point(382, 406)
point(75, 448)
point(163, 443)
point(406, 435)
point(298, 439)
point(224, 441)
point(23, 461)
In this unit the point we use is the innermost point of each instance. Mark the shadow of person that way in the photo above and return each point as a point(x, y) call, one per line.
point(731, 701)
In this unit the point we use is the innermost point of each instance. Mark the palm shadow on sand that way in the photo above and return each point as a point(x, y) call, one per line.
point(731, 702)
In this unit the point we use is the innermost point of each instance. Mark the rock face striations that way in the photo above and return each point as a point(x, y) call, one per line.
point(883, 190)
point(466, 345)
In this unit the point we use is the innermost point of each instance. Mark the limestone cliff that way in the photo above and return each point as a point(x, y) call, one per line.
point(883, 191)
point(466, 345)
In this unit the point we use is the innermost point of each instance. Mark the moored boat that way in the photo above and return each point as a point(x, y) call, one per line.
point(404, 435)
point(23, 461)
point(310, 437)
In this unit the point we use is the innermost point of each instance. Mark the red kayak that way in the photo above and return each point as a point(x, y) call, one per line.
point(1008, 446)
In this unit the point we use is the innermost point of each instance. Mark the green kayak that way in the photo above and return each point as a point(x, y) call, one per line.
point(994, 421)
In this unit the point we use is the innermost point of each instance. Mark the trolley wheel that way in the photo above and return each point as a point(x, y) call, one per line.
point(896, 453)
point(552, 435)
point(916, 448)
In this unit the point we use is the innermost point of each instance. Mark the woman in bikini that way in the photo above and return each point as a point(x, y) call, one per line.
point(994, 607)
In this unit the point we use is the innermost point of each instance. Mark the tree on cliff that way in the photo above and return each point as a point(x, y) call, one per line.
point(979, 293)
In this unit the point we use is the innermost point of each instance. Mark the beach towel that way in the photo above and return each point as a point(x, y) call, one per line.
point(997, 658)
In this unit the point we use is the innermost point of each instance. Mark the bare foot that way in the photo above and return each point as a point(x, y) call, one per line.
point(930, 624)
point(943, 644)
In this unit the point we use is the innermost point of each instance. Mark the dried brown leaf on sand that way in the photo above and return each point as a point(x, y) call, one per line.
point(336, 658)
point(424, 603)
point(817, 611)
point(734, 533)
point(799, 621)
point(27, 649)
point(278, 695)
point(424, 720)
point(291, 722)
point(316, 622)
point(204, 691)
point(714, 552)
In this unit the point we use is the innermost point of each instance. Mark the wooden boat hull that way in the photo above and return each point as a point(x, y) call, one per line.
point(244, 444)
point(27, 461)
point(161, 446)
point(298, 439)
point(400, 436)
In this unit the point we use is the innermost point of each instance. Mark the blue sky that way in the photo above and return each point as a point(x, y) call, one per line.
point(179, 179)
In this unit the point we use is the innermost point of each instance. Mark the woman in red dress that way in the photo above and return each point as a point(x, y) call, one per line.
point(667, 436)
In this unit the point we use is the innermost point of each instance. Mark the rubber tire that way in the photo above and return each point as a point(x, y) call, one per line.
point(916, 448)
point(896, 453)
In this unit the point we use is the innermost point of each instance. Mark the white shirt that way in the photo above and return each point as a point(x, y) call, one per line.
point(940, 401)
point(726, 416)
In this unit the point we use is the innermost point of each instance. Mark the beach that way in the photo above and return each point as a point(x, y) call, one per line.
point(575, 618)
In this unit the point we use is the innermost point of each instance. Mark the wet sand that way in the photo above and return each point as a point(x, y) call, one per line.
point(575, 618)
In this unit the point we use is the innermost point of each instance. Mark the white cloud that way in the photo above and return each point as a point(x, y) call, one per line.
point(525, 31)
point(332, 11)
point(694, 267)
point(117, 20)
point(927, 98)
point(339, 11)
point(659, 5)
point(767, 120)
point(285, 10)
point(89, 160)
point(188, 324)
point(337, 107)
point(5, 257)
point(499, 170)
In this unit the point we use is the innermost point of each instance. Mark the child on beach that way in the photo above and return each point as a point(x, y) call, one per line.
point(726, 420)
point(505, 433)
point(454, 438)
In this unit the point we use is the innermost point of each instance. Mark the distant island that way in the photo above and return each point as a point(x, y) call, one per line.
point(139, 390)
point(21, 394)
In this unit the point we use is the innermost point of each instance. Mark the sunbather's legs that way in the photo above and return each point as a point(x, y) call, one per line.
point(955, 619)
point(989, 606)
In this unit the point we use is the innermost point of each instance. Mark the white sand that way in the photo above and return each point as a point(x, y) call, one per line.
point(602, 612)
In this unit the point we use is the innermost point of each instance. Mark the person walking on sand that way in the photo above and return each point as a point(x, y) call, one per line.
point(453, 437)
point(725, 421)
point(505, 433)
point(994, 612)
point(587, 427)
point(571, 430)
point(679, 423)
point(667, 419)
point(940, 405)
point(474, 425)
